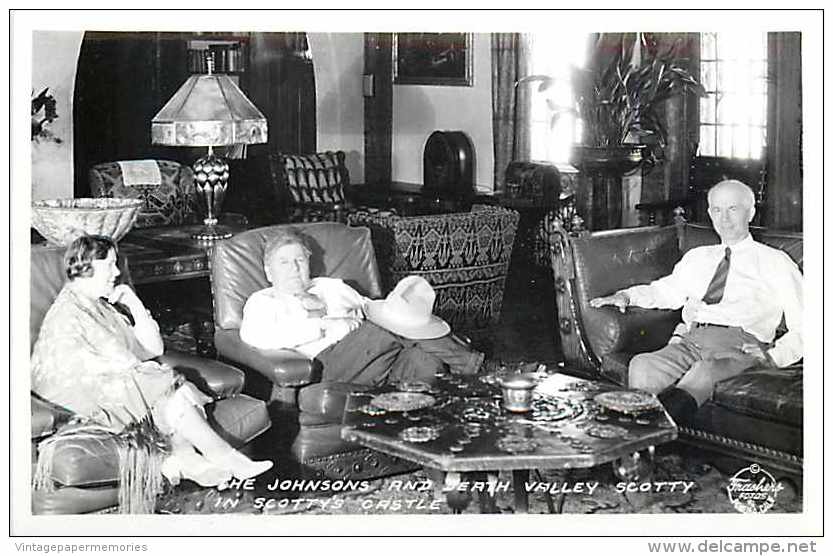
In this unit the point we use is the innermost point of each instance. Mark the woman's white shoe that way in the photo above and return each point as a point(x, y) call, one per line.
point(240, 466)
point(188, 464)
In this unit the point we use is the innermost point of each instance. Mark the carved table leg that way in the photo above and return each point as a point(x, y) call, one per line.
point(548, 496)
point(486, 498)
point(437, 479)
point(519, 479)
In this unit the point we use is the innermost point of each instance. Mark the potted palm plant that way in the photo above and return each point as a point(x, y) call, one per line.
point(619, 104)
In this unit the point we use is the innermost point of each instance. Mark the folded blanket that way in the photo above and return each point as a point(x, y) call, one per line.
point(140, 172)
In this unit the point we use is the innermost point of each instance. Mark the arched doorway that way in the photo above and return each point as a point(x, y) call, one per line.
point(123, 79)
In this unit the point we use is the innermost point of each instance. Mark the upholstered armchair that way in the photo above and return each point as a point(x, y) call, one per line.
point(165, 186)
point(85, 472)
point(312, 187)
point(308, 412)
point(465, 256)
point(757, 415)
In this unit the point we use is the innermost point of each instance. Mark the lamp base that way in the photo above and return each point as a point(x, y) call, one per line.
point(210, 182)
point(211, 232)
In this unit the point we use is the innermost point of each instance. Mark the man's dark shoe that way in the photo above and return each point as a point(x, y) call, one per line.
point(680, 405)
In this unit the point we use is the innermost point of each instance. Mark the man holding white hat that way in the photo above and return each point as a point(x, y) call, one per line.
point(323, 318)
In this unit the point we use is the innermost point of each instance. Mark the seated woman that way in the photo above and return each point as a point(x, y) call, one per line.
point(324, 318)
point(94, 356)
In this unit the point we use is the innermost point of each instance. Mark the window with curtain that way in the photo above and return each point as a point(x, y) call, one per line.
point(733, 115)
point(554, 54)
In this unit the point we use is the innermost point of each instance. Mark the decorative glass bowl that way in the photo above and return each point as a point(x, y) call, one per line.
point(60, 221)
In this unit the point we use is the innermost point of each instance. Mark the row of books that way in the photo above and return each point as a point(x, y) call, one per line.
point(228, 58)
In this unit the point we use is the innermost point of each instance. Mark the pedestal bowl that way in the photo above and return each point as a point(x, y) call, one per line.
point(60, 221)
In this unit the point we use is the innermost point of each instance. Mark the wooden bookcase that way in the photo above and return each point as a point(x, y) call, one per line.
point(230, 53)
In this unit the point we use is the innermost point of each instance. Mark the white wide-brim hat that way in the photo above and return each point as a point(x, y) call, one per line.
point(408, 311)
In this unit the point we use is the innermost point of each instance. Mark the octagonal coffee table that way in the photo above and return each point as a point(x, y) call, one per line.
point(458, 425)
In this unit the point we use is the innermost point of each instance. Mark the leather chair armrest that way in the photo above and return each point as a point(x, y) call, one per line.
point(73, 501)
point(326, 400)
point(214, 378)
point(46, 416)
point(284, 367)
point(636, 331)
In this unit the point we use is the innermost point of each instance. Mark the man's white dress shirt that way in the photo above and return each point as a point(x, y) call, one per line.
point(763, 285)
point(276, 320)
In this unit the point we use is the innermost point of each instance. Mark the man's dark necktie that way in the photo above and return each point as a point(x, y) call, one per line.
point(714, 293)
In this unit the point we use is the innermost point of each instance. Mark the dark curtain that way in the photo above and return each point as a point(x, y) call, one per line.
point(510, 112)
point(122, 80)
point(281, 82)
point(784, 122)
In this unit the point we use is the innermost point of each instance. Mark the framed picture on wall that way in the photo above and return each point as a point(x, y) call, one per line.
point(432, 59)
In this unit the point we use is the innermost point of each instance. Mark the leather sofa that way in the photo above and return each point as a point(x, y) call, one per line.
point(85, 472)
point(757, 415)
point(307, 413)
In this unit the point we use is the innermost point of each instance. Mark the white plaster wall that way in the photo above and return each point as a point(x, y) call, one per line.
point(338, 59)
point(419, 110)
point(54, 61)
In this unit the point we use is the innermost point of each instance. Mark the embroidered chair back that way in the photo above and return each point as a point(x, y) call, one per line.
point(168, 196)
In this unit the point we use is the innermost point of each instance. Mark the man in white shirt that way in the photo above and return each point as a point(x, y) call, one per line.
point(733, 297)
point(323, 318)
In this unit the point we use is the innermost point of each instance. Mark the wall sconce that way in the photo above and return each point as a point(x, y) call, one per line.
point(368, 83)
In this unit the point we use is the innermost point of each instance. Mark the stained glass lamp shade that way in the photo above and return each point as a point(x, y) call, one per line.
point(209, 110)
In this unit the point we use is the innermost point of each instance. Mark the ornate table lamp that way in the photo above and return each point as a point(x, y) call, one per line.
point(208, 111)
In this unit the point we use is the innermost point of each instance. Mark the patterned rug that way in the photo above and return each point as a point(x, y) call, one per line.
point(683, 481)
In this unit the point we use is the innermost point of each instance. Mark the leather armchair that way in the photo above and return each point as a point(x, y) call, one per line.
point(756, 415)
point(309, 411)
point(85, 472)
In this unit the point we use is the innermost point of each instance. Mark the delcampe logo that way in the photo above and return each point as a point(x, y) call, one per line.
point(753, 490)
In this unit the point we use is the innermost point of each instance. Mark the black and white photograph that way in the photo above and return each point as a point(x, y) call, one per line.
point(281, 269)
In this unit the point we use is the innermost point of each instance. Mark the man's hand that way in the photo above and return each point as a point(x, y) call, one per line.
point(152, 368)
point(751, 354)
point(339, 327)
point(618, 299)
point(756, 351)
point(692, 310)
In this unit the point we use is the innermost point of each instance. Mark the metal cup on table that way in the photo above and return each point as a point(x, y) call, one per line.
point(517, 390)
